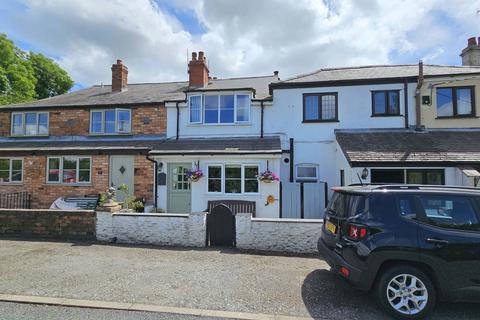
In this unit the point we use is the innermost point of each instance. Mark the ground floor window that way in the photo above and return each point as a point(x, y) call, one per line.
point(11, 170)
point(411, 176)
point(69, 169)
point(232, 179)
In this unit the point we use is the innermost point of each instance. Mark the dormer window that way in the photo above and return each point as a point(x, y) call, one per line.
point(112, 121)
point(219, 109)
point(29, 123)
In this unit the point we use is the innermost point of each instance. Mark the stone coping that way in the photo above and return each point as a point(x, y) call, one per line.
point(47, 210)
point(320, 221)
point(160, 215)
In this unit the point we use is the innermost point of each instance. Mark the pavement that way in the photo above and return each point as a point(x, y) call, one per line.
point(196, 279)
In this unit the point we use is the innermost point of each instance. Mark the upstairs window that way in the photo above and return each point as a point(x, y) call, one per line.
point(114, 121)
point(219, 109)
point(29, 123)
point(386, 103)
point(320, 107)
point(455, 102)
point(306, 173)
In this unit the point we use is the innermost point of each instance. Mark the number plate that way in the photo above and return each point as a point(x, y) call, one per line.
point(331, 227)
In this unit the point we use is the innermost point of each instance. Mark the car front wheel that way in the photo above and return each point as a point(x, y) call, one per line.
point(405, 292)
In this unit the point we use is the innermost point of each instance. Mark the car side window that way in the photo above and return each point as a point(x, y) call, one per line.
point(450, 211)
point(407, 207)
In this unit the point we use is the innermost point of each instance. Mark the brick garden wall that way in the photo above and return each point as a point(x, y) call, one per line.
point(29, 223)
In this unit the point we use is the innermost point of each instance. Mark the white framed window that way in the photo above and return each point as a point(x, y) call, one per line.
point(219, 109)
point(306, 172)
point(233, 179)
point(29, 123)
point(69, 170)
point(111, 121)
point(11, 170)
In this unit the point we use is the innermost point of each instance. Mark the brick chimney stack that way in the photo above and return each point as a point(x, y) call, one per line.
point(471, 54)
point(119, 76)
point(198, 73)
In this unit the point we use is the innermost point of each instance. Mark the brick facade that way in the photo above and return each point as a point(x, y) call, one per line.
point(151, 119)
point(43, 194)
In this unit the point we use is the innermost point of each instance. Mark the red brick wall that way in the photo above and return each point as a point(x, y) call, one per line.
point(76, 121)
point(43, 194)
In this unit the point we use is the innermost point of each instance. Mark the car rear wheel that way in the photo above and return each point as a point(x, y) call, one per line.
point(405, 292)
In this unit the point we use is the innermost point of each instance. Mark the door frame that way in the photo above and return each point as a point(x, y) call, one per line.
point(170, 165)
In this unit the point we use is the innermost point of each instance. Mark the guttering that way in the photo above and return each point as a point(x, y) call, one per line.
point(418, 102)
point(155, 188)
point(214, 152)
point(405, 98)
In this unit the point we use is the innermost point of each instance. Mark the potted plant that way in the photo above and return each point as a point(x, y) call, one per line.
point(268, 176)
point(194, 175)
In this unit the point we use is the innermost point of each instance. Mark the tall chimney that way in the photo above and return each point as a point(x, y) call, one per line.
point(119, 76)
point(198, 70)
point(471, 54)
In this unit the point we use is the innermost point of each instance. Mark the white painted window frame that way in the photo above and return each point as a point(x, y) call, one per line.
point(24, 125)
point(117, 131)
point(190, 109)
point(304, 179)
point(60, 171)
point(218, 95)
point(11, 169)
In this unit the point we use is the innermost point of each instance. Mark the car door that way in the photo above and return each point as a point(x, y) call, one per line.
point(449, 240)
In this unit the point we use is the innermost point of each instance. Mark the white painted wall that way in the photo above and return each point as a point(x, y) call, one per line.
point(200, 196)
point(284, 235)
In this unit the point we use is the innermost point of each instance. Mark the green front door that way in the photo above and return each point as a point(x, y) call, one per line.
point(179, 194)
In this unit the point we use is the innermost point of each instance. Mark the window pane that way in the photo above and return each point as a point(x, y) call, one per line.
point(5, 164)
point(43, 123)
point(414, 177)
point(4, 176)
point(393, 100)
point(215, 179)
point(84, 163)
point(307, 172)
point(4, 170)
point(211, 109)
point(435, 177)
point(251, 181)
point(53, 169)
point(233, 181)
point(17, 170)
point(195, 108)
point(30, 123)
point(379, 102)
point(69, 170)
point(243, 107)
point(226, 109)
point(444, 102)
point(16, 164)
point(311, 108)
point(17, 124)
point(84, 176)
point(387, 176)
point(110, 121)
point(96, 122)
point(124, 121)
point(328, 107)
point(251, 172)
point(464, 101)
point(450, 211)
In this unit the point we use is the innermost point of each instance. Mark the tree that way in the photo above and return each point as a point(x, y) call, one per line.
point(28, 76)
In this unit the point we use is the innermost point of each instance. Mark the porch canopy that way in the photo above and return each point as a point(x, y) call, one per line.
point(218, 146)
point(403, 147)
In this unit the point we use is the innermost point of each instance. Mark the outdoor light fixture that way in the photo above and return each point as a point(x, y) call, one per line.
point(364, 173)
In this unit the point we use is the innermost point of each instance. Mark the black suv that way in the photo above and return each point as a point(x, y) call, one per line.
point(410, 244)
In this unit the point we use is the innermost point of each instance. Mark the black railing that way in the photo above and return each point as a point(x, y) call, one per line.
point(15, 200)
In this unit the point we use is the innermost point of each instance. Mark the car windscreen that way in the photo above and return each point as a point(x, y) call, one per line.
point(345, 205)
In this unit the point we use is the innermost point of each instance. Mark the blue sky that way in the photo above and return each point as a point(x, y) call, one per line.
point(240, 38)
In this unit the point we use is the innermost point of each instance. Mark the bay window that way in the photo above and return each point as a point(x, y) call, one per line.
point(69, 169)
point(219, 109)
point(11, 170)
point(233, 179)
point(113, 121)
point(29, 123)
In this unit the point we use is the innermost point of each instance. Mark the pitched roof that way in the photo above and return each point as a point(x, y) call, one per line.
point(207, 146)
point(378, 72)
point(407, 146)
point(146, 93)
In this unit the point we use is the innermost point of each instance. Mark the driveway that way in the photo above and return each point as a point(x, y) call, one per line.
point(205, 279)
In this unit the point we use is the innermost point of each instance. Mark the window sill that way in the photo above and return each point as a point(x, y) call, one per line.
point(69, 184)
point(239, 124)
point(457, 117)
point(386, 115)
point(19, 183)
point(320, 121)
point(109, 134)
point(235, 195)
point(24, 136)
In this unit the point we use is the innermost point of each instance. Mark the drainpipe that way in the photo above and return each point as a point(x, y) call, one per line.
point(405, 98)
point(261, 119)
point(292, 158)
point(155, 191)
point(418, 97)
point(178, 120)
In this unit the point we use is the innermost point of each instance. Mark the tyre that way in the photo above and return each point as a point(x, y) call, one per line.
point(405, 292)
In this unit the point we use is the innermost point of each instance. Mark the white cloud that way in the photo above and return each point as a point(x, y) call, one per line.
point(243, 38)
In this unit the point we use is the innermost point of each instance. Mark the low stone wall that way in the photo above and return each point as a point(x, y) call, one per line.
point(187, 230)
point(45, 223)
point(284, 235)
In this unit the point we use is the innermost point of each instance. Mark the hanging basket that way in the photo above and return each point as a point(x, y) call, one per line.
point(267, 177)
point(194, 175)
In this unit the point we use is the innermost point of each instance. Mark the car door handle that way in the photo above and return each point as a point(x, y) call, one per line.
point(437, 241)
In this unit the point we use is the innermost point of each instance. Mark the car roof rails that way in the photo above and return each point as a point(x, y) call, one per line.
point(423, 187)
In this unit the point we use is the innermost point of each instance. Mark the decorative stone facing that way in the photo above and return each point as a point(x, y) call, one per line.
point(28, 223)
point(186, 230)
point(283, 235)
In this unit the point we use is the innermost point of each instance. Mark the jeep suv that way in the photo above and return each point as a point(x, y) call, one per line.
point(409, 244)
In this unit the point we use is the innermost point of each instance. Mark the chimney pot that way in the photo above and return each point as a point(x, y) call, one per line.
point(472, 41)
point(194, 56)
point(275, 73)
point(119, 61)
point(200, 55)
